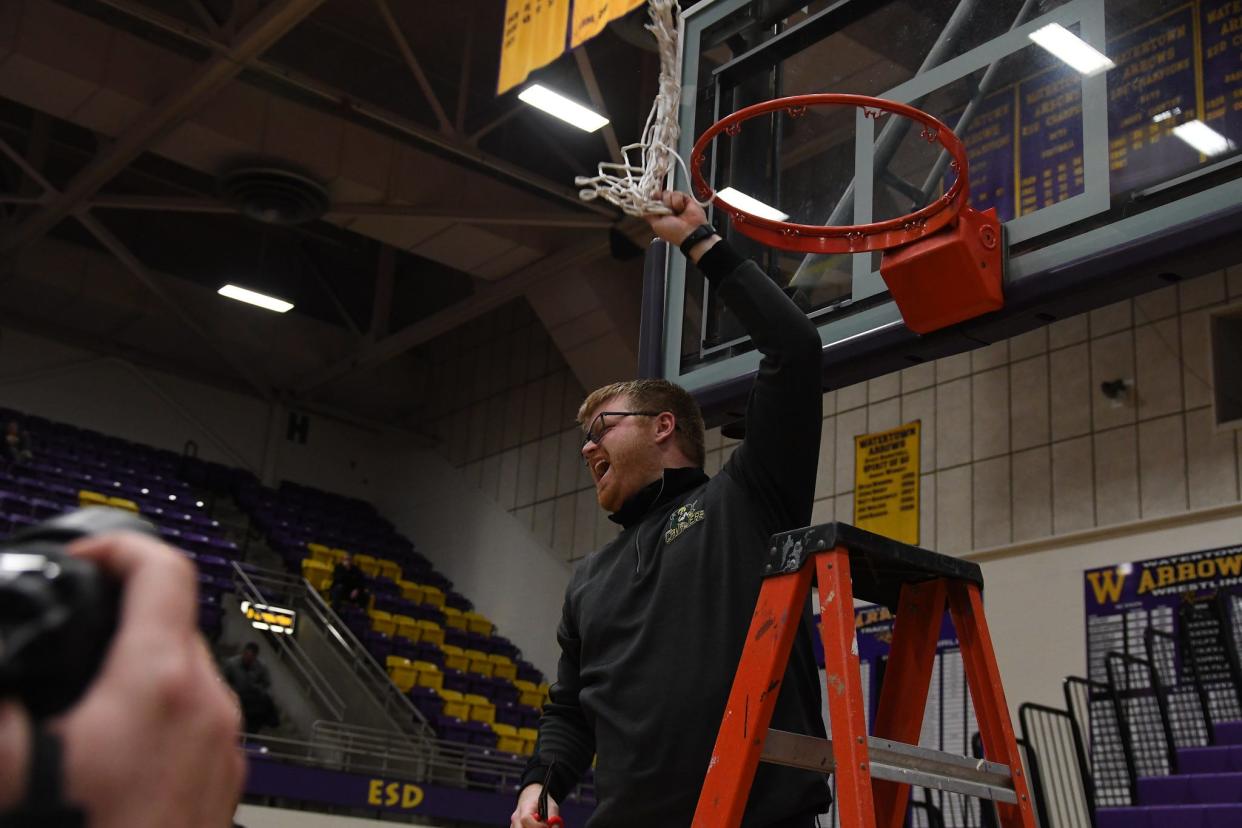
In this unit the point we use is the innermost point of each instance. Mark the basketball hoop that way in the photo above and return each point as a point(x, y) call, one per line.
point(942, 263)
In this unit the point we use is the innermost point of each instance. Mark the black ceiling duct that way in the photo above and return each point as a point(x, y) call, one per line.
point(274, 196)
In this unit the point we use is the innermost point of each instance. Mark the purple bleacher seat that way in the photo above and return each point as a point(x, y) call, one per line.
point(456, 680)
point(427, 701)
point(225, 547)
point(502, 646)
point(404, 648)
point(481, 734)
point(389, 603)
point(430, 653)
point(210, 618)
point(529, 672)
point(508, 713)
point(214, 565)
point(502, 690)
point(360, 627)
point(477, 641)
point(479, 685)
point(378, 645)
point(457, 638)
point(426, 612)
point(457, 601)
point(20, 522)
point(384, 586)
point(452, 729)
point(197, 542)
point(14, 502)
point(41, 508)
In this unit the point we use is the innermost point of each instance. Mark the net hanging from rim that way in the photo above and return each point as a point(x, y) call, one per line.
point(632, 183)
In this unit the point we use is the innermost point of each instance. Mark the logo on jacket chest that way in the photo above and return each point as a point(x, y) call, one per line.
point(682, 519)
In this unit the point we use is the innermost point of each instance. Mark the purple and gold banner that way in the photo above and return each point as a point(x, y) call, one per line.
point(267, 777)
point(1121, 601)
point(1220, 31)
point(1151, 91)
point(989, 140)
point(1050, 139)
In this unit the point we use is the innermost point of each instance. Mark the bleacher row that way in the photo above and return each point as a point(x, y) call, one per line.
point(72, 467)
point(470, 683)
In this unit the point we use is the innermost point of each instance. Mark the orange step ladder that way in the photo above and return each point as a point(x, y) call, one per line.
point(874, 774)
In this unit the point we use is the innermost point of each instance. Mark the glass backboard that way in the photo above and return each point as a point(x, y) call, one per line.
point(1101, 177)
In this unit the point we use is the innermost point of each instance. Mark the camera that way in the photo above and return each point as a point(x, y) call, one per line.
point(57, 613)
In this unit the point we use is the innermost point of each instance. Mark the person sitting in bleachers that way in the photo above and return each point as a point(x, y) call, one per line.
point(17, 443)
point(349, 585)
point(252, 683)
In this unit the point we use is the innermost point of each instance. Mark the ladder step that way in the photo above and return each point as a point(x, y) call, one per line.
point(898, 762)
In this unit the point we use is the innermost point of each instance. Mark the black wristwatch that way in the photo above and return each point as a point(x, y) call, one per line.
point(698, 234)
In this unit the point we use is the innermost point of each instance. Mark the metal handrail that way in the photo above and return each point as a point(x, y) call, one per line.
point(294, 653)
point(350, 653)
point(1121, 695)
point(353, 747)
point(366, 666)
point(1165, 688)
point(1057, 777)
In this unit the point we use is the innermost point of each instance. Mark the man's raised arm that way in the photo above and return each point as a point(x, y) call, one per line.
point(784, 415)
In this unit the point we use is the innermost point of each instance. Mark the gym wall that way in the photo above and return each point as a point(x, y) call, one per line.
point(116, 397)
point(505, 410)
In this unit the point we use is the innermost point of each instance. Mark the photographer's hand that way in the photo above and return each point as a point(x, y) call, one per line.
point(153, 742)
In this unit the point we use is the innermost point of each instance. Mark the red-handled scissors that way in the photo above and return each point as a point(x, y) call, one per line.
point(541, 810)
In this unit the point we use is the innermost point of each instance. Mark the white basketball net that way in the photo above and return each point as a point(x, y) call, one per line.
point(632, 184)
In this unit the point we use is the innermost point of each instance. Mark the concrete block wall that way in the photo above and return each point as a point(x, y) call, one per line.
point(506, 415)
point(1019, 442)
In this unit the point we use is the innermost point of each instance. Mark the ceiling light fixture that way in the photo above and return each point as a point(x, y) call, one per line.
point(1203, 138)
point(1072, 49)
point(751, 205)
point(251, 297)
point(557, 105)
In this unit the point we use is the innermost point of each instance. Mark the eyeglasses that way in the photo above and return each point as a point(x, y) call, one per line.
point(600, 425)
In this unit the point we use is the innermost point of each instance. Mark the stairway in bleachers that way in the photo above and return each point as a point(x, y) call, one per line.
point(1206, 791)
point(468, 682)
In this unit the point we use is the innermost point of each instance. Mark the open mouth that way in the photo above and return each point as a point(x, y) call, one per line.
point(600, 469)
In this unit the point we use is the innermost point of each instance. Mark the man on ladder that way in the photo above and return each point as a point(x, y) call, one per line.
point(653, 623)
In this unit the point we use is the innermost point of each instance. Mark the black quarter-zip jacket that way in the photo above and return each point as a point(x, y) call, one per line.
point(653, 623)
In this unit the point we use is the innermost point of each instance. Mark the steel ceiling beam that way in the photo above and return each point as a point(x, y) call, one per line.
point(152, 282)
point(416, 69)
point(204, 14)
point(381, 304)
point(498, 121)
point(345, 104)
point(471, 216)
point(203, 82)
point(488, 298)
point(597, 100)
point(189, 204)
point(463, 83)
